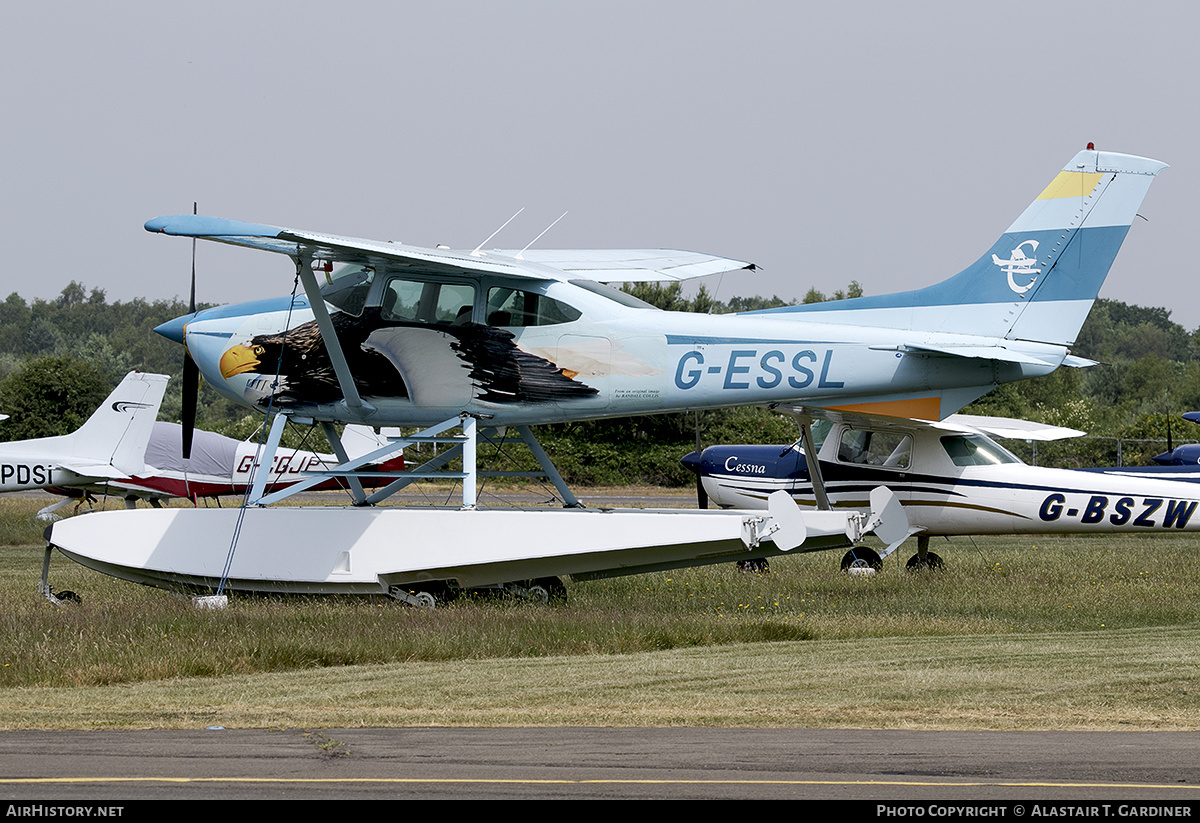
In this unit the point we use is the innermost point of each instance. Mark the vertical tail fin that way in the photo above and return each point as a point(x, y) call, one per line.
point(1039, 280)
point(359, 440)
point(118, 431)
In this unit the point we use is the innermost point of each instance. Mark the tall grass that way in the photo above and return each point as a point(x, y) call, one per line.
point(123, 633)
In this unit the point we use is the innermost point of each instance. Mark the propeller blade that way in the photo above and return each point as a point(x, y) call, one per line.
point(191, 391)
point(192, 298)
point(701, 494)
point(191, 372)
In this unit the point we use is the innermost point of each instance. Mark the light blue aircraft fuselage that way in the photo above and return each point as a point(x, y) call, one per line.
point(531, 337)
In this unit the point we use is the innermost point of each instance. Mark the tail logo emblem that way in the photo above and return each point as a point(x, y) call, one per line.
point(1017, 263)
point(123, 406)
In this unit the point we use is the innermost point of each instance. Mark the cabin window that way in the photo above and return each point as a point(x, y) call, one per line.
point(347, 290)
point(863, 447)
point(413, 301)
point(605, 290)
point(976, 450)
point(517, 308)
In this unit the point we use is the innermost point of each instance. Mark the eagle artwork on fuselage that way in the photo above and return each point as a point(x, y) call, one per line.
point(420, 344)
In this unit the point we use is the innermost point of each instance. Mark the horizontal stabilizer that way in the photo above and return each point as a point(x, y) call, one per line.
point(981, 352)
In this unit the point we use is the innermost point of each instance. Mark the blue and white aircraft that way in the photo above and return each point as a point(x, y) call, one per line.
point(489, 340)
point(1186, 455)
point(951, 478)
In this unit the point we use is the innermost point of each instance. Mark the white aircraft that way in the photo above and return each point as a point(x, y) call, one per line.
point(223, 466)
point(951, 478)
point(108, 446)
point(123, 451)
point(490, 341)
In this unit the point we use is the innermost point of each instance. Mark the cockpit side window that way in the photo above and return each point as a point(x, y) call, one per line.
point(347, 290)
point(889, 449)
point(518, 308)
point(414, 301)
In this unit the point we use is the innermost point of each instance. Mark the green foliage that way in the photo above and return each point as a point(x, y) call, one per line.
point(1149, 371)
point(50, 396)
point(669, 297)
point(110, 338)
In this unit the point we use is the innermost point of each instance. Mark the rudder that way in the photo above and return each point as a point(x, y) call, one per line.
point(119, 430)
point(1039, 280)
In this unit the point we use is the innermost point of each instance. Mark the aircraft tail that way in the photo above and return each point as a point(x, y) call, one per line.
point(118, 431)
point(1039, 280)
point(360, 440)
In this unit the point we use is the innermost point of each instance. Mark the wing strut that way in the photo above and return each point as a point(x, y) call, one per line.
point(335, 442)
point(814, 465)
point(329, 335)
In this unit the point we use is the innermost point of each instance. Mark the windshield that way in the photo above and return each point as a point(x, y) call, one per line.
point(347, 289)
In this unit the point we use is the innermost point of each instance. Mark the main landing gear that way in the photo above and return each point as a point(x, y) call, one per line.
point(861, 561)
point(924, 559)
point(864, 562)
point(434, 593)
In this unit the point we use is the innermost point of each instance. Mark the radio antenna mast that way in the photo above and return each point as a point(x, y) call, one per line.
point(497, 231)
point(539, 237)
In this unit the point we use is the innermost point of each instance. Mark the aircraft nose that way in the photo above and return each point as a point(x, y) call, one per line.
point(693, 461)
point(173, 329)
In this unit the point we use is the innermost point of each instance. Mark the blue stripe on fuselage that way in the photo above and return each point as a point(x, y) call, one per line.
point(1076, 274)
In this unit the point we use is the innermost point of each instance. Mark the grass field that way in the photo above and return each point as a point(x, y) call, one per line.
point(1023, 632)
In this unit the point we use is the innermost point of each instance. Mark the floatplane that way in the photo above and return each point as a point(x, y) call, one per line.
point(471, 344)
point(952, 479)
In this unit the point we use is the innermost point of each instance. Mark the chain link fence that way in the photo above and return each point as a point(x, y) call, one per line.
point(1091, 451)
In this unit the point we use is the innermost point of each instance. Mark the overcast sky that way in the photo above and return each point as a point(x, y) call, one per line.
point(888, 143)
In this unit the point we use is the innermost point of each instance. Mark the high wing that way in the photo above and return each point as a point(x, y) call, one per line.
point(1000, 427)
point(1007, 427)
point(606, 265)
point(631, 265)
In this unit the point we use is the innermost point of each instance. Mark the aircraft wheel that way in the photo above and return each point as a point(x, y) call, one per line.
point(861, 561)
point(429, 596)
point(755, 566)
point(930, 562)
point(424, 600)
point(67, 597)
point(547, 590)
